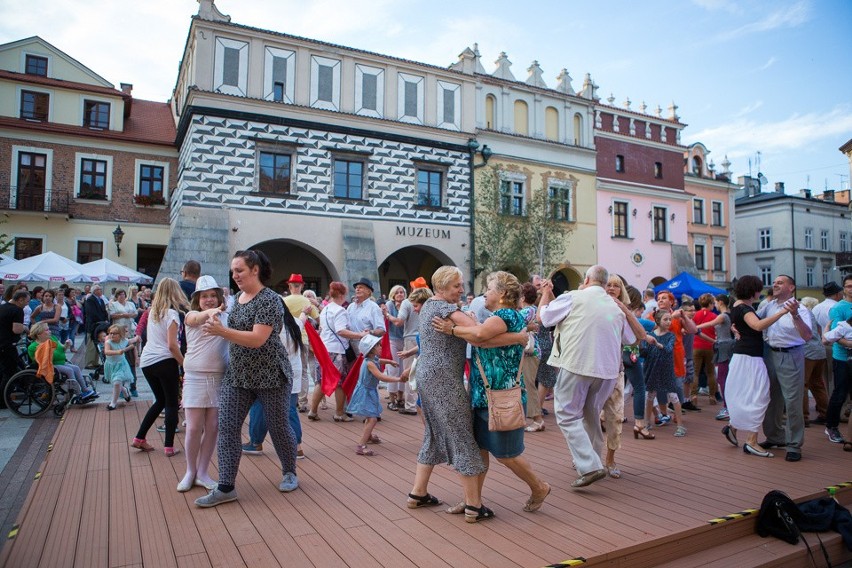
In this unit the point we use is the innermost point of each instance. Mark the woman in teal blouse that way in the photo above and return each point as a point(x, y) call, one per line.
point(501, 367)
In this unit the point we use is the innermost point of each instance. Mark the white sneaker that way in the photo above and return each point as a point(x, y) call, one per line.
point(289, 483)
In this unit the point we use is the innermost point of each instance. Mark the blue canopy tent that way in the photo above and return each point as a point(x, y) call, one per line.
point(685, 283)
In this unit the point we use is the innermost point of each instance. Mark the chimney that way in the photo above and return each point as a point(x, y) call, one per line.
point(779, 187)
point(127, 88)
point(806, 193)
point(828, 195)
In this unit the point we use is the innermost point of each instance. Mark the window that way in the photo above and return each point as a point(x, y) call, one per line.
point(619, 163)
point(410, 98)
point(512, 197)
point(93, 179)
point(719, 259)
point(697, 165)
point(559, 196)
point(809, 276)
point(578, 129)
point(825, 278)
point(278, 71)
point(35, 106)
point(698, 211)
point(36, 65)
point(449, 105)
point(26, 247)
point(619, 219)
point(551, 123)
point(348, 179)
point(823, 240)
point(429, 188)
point(88, 251)
point(809, 238)
point(660, 227)
point(490, 104)
point(716, 213)
point(96, 114)
point(369, 91)
point(230, 72)
point(844, 241)
point(32, 175)
point(522, 118)
point(699, 257)
point(766, 275)
point(658, 170)
point(151, 181)
point(274, 172)
point(765, 239)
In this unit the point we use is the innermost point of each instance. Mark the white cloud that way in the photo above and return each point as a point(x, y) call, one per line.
point(743, 137)
point(786, 17)
point(768, 64)
point(748, 109)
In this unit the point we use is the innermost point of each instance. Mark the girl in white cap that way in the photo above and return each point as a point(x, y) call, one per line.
point(365, 397)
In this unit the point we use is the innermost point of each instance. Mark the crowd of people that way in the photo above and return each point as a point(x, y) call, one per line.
point(258, 354)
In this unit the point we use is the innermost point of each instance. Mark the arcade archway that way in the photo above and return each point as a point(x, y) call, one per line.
point(656, 281)
point(406, 264)
point(565, 278)
point(289, 257)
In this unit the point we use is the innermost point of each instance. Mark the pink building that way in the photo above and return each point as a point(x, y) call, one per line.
point(641, 204)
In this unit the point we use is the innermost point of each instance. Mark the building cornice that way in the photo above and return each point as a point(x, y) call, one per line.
point(640, 141)
point(642, 189)
point(689, 179)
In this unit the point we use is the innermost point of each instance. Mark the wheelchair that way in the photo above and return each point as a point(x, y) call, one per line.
point(29, 395)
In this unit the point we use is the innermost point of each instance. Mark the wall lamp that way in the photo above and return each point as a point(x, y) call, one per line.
point(473, 146)
point(634, 211)
point(118, 235)
point(609, 210)
point(673, 216)
point(650, 214)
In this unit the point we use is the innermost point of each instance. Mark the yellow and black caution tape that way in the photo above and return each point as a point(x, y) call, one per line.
point(732, 517)
point(572, 562)
point(37, 476)
point(831, 488)
point(14, 532)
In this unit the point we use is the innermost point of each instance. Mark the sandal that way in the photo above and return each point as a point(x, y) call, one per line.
point(171, 452)
point(644, 432)
point(475, 514)
point(343, 418)
point(313, 417)
point(417, 501)
point(142, 444)
point(847, 446)
point(613, 471)
point(374, 439)
point(535, 427)
point(456, 509)
point(532, 505)
point(364, 451)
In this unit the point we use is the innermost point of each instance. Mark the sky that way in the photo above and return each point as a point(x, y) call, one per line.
point(763, 82)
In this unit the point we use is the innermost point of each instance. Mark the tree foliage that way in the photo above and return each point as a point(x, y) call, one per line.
point(6, 242)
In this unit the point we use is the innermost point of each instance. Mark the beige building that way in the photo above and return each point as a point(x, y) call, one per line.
point(79, 158)
point(710, 228)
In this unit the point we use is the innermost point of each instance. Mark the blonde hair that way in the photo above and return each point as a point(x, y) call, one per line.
point(36, 329)
point(624, 297)
point(132, 290)
point(169, 295)
point(445, 276)
point(420, 295)
point(507, 285)
point(394, 290)
point(114, 328)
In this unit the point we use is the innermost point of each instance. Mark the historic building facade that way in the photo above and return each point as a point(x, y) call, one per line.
point(338, 163)
point(539, 139)
point(641, 203)
point(710, 226)
point(79, 158)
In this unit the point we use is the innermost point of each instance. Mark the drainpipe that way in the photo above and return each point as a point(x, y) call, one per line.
point(471, 209)
point(793, 240)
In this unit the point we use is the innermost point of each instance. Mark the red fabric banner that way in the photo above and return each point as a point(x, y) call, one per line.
point(352, 378)
point(329, 373)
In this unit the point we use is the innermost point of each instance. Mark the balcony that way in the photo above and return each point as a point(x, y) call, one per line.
point(13, 198)
point(843, 261)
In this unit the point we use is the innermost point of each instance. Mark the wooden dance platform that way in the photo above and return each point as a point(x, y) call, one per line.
point(97, 502)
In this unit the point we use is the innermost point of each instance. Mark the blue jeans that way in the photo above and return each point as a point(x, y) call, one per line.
point(636, 377)
point(257, 421)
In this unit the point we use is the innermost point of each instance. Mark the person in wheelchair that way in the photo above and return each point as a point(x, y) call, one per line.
point(40, 333)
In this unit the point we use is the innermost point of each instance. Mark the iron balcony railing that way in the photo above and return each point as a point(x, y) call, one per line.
point(13, 198)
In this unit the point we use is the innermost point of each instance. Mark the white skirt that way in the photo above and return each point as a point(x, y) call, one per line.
point(201, 390)
point(747, 392)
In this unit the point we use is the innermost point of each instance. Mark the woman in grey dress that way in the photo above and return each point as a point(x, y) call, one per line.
point(448, 436)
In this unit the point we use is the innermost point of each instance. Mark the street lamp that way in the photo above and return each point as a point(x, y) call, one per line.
point(473, 146)
point(118, 235)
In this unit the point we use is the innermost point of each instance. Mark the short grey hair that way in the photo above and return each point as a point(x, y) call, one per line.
point(597, 273)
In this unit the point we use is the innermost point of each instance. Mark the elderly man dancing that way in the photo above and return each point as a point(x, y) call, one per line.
point(590, 331)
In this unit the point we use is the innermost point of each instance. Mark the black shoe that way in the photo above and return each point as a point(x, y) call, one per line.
point(747, 449)
point(730, 436)
point(767, 445)
point(793, 456)
point(689, 405)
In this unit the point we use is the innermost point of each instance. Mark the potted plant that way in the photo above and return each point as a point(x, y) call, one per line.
point(149, 200)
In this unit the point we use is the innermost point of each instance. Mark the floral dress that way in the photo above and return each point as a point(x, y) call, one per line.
point(659, 364)
point(499, 363)
point(448, 437)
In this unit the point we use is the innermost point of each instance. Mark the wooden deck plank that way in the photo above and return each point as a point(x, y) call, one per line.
point(200, 560)
point(123, 526)
point(28, 546)
point(92, 534)
point(154, 537)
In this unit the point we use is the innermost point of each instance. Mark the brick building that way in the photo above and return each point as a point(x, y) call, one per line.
point(78, 158)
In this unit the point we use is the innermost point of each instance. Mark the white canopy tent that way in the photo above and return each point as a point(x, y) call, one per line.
point(106, 270)
point(46, 267)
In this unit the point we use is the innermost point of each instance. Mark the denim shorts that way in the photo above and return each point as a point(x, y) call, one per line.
point(499, 444)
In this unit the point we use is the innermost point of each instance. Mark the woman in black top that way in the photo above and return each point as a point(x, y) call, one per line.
point(747, 385)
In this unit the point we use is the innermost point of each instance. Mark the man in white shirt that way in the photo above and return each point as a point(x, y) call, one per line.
point(785, 364)
point(833, 293)
point(587, 344)
point(364, 313)
point(649, 299)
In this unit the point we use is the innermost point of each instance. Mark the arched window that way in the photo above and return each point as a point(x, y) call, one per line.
point(522, 120)
point(490, 104)
point(551, 123)
point(697, 164)
point(578, 129)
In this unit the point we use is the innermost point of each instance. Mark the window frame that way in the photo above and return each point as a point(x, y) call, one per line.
point(78, 175)
point(764, 238)
point(42, 239)
point(698, 207)
point(620, 166)
point(766, 275)
point(38, 93)
point(616, 214)
point(137, 177)
point(28, 56)
point(564, 201)
point(349, 159)
point(809, 238)
point(431, 169)
point(660, 222)
point(824, 240)
point(720, 266)
point(658, 170)
point(702, 256)
point(276, 152)
point(809, 276)
point(513, 202)
point(269, 82)
point(843, 243)
point(713, 212)
point(88, 103)
point(77, 247)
